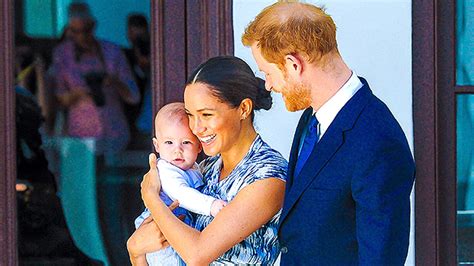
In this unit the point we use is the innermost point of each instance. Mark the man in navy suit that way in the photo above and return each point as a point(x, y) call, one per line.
point(351, 171)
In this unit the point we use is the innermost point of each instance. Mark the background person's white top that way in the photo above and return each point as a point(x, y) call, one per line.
point(181, 185)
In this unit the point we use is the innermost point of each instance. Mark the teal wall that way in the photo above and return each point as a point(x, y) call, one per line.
point(39, 18)
point(46, 18)
point(112, 17)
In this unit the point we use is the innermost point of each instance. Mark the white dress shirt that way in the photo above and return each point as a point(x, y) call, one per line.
point(328, 111)
point(331, 108)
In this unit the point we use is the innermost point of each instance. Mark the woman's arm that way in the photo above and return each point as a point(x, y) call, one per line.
point(233, 224)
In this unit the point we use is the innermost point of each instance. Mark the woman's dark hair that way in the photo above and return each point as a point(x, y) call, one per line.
point(232, 80)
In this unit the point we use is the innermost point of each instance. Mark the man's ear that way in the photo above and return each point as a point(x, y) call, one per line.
point(155, 144)
point(245, 107)
point(294, 63)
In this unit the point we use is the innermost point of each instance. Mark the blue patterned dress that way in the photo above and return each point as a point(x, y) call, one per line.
point(260, 162)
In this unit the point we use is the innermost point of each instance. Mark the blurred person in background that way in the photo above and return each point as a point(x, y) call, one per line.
point(92, 77)
point(138, 56)
point(30, 75)
point(42, 230)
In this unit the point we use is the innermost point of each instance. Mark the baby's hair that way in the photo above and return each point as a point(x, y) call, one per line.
point(172, 112)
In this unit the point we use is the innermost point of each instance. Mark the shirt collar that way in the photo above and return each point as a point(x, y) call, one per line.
point(331, 108)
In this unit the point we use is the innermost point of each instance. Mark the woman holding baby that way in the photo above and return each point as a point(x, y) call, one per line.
point(220, 98)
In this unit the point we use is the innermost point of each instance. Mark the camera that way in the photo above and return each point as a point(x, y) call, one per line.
point(95, 81)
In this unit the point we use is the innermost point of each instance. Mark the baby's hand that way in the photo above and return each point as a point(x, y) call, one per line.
point(217, 206)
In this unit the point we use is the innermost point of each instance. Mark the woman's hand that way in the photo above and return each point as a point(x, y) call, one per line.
point(151, 184)
point(146, 239)
point(158, 241)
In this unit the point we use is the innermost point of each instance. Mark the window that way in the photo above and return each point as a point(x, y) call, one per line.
point(465, 130)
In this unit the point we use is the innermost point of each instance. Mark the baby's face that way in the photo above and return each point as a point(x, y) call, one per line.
point(177, 144)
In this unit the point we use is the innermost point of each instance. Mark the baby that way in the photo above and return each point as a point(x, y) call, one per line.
point(180, 177)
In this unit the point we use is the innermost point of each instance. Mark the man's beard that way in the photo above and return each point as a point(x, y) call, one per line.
point(296, 96)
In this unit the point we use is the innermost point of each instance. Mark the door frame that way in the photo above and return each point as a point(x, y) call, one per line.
point(8, 238)
point(434, 116)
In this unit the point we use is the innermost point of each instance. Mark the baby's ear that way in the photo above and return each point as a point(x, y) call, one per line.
point(155, 144)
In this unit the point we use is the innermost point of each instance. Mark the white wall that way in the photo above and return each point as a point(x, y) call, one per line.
point(374, 38)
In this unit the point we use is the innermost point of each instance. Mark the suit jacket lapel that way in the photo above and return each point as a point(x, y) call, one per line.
point(324, 149)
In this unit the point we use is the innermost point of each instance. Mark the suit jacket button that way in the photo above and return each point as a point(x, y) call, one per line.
point(284, 250)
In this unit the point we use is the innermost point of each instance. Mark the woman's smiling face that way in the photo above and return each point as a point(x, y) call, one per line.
point(216, 123)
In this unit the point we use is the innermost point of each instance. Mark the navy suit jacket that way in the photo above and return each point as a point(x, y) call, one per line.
point(350, 204)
